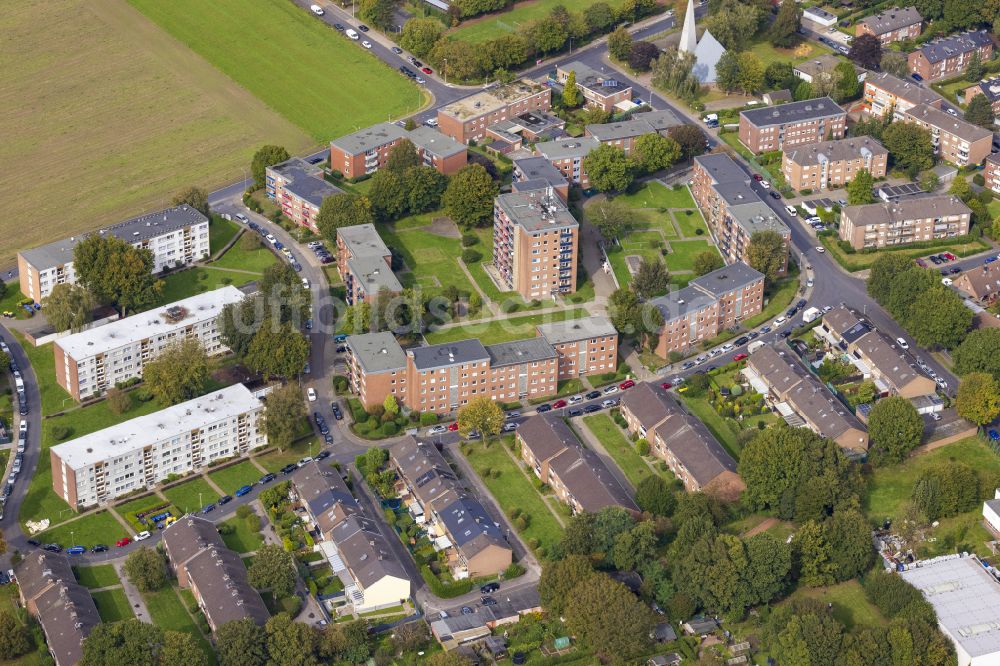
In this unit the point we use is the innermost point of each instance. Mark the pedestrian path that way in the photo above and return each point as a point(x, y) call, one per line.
point(135, 599)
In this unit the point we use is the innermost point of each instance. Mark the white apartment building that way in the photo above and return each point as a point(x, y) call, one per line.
point(90, 362)
point(141, 452)
point(176, 236)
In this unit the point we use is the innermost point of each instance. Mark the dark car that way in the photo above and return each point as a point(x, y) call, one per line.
point(397, 50)
point(52, 547)
point(324, 429)
point(576, 411)
point(936, 259)
point(742, 341)
point(244, 490)
point(544, 408)
point(752, 335)
point(341, 349)
point(267, 478)
point(786, 333)
point(337, 414)
point(322, 455)
point(225, 499)
point(489, 588)
point(790, 312)
point(488, 601)
point(34, 542)
point(994, 435)
point(339, 26)
point(801, 303)
point(467, 611)
point(955, 270)
point(916, 77)
point(318, 417)
point(590, 409)
point(593, 394)
point(363, 28)
point(774, 195)
point(208, 508)
point(288, 469)
point(99, 548)
point(416, 63)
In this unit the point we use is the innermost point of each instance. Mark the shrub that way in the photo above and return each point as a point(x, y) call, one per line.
point(389, 428)
point(979, 180)
point(642, 447)
point(469, 239)
point(513, 571)
point(428, 418)
point(699, 231)
point(60, 432)
point(470, 256)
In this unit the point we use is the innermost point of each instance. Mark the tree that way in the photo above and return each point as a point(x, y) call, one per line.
point(608, 168)
point(273, 568)
point(290, 643)
point(980, 112)
point(620, 44)
point(181, 649)
point(866, 50)
point(286, 299)
point(264, 157)
point(145, 569)
point(420, 34)
point(769, 563)
point(784, 32)
point(633, 10)
point(118, 400)
point(974, 71)
point(847, 86)
point(859, 190)
point(342, 210)
point(283, 415)
point(241, 643)
point(929, 180)
point(909, 145)
point(599, 17)
point(69, 307)
point(642, 54)
point(939, 318)
point(978, 397)
point(690, 138)
point(883, 274)
point(979, 352)
point(482, 415)
point(766, 252)
point(654, 495)
point(635, 547)
point(610, 216)
point(14, 640)
point(195, 197)
point(347, 642)
point(751, 76)
point(546, 34)
point(632, 318)
point(129, 642)
point(652, 279)
point(115, 272)
point(278, 350)
point(734, 24)
point(706, 262)
point(469, 196)
point(653, 152)
point(815, 554)
point(387, 195)
point(727, 71)
point(559, 577)
point(592, 602)
point(895, 429)
point(377, 12)
point(571, 93)
point(403, 156)
point(850, 538)
point(895, 63)
point(673, 71)
point(424, 186)
point(177, 373)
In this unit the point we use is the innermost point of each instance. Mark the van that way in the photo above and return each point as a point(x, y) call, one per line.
point(316, 9)
point(353, 35)
point(810, 315)
point(712, 120)
point(755, 345)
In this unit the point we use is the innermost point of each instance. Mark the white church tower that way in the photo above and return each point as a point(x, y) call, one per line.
point(689, 35)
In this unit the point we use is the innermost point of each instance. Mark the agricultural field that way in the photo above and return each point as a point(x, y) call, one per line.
point(108, 116)
point(491, 26)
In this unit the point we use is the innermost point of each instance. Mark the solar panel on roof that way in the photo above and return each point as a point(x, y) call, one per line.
point(609, 83)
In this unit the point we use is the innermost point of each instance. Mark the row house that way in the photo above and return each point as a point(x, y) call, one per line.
point(365, 264)
point(623, 134)
point(366, 151)
point(599, 90)
point(299, 189)
point(950, 56)
point(893, 25)
point(467, 119)
point(833, 164)
point(991, 172)
point(954, 139)
point(904, 221)
point(781, 127)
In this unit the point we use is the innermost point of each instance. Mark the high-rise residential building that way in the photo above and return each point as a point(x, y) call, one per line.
point(832, 164)
point(534, 173)
point(469, 117)
point(176, 236)
point(299, 189)
point(535, 243)
point(907, 220)
point(139, 453)
point(770, 128)
point(950, 56)
point(365, 264)
point(92, 361)
point(366, 151)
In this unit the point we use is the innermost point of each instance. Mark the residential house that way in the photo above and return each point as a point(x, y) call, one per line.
point(529, 127)
point(989, 88)
point(469, 117)
point(991, 172)
point(624, 133)
point(903, 221)
point(832, 164)
point(819, 16)
point(981, 283)
point(885, 93)
point(892, 25)
point(771, 128)
point(599, 90)
point(376, 368)
point(991, 514)
point(584, 346)
point(954, 140)
point(949, 56)
point(299, 189)
point(823, 69)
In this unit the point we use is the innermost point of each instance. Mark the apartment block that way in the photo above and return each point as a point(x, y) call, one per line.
point(892, 25)
point(456, 522)
point(176, 236)
point(733, 211)
point(876, 356)
point(92, 361)
point(140, 453)
point(64, 609)
point(352, 542)
point(468, 118)
point(535, 243)
point(791, 389)
point(885, 93)
point(599, 90)
point(980, 282)
point(365, 264)
point(907, 220)
point(536, 173)
point(584, 346)
point(990, 88)
point(954, 140)
point(366, 151)
point(567, 156)
point(781, 127)
point(376, 368)
point(576, 474)
point(707, 306)
point(950, 56)
point(687, 446)
point(991, 172)
point(214, 574)
point(511, 134)
point(622, 134)
point(832, 164)
point(299, 189)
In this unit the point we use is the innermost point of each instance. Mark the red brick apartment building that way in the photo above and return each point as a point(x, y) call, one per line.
point(954, 140)
point(892, 25)
point(623, 134)
point(366, 151)
point(533, 173)
point(908, 220)
point(990, 88)
point(780, 127)
point(833, 164)
point(535, 243)
point(992, 172)
point(949, 56)
point(299, 189)
point(707, 306)
point(601, 91)
point(885, 93)
point(442, 378)
point(364, 263)
point(469, 117)
point(567, 155)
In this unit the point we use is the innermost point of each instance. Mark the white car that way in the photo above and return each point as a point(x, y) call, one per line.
point(766, 185)
point(141, 536)
point(575, 399)
point(728, 346)
point(242, 218)
point(902, 343)
point(827, 308)
point(23, 427)
point(815, 219)
point(366, 44)
point(791, 211)
point(311, 394)
point(305, 283)
point(431, 122)
point(438, 430)
point(609, 403)
point(946, 282)
point(820, 249)
point(305, 461)
point(316, 9)
point(779, 321)
point(510, 426)
point(611, 389)
point(271, 239)
point(809, 282)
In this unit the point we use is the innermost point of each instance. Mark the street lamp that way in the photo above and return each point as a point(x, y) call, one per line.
point(446, 71)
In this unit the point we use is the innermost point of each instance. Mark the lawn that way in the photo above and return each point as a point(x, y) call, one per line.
point(168, 613)
point(96, 576)
point(690, 221)
point(619, 448)
point(860, 261)
point(502, 329)
point(220, 232)
point(849, 603)
point(197, 280)
point(275, 460)
point(291, 61)
point(192, 495)
point(138, 117)
point(780, 296)
point(236, 258)
point(236, 476)
point(129, 510)
point(87, 531)
point(683, 253)
point(513, 490)
point(769, 53)
point(704, 411)
point(491, 26)
point(431, 259)
point(113, 605)
point(654, 194)
point(43, 362)
point(243, 539)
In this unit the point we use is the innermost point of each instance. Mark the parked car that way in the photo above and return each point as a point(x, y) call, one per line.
point(610, 402)
point(593, 394)
point(76, 550)
point(52, 547)
point(317, 10)
point(437, 430)
point(774, 194)
point(489, 588)
point(575, 411)
point(590, 409)
point(124, 541)
point(363, 28)
point(322, 455)
point(994, 435)
point(244, 490)
point(34, 542)
point(627, 384)
point(559, 404)
point(142, 536)
point(397, 50)
point(208, 508)
point(453, 426)
point(225, 499)
point(311, 394)
point(611, 389)
point(488, 601)
point(544, 408)
point(740, 357)
point(99, 548)
point(902, 343)
point(426, 70)
point(575, 399)
point(289, 468)
point(665, 385)
point(267, 478)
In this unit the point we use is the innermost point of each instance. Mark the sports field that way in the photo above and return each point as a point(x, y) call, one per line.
point(491, 26)
point(106, 116)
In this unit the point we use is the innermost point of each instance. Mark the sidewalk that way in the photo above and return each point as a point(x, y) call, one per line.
point(132, 594)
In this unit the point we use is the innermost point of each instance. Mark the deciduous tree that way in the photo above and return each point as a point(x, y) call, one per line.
point(979, 352)
point(751, 78)
point(177, 373)
point(592, 602)
point(883, 274)
point(116, 273)
point(815, 556)
point(866, 50)
point(69, 307)
point(847, 85)
point(654, 495)
point(273, 568)
point(342, 210)
point(610, 216)
point(895, 63)
point(377, 12)
point(690, 138)
point(420, 34)
point(14, 640)
point(980, 112)
point(283, 415)
point(424, 186)
point(181, 649)
point(978, 398)
point(195, 197)
point(241, 643)
point(127, 642)
point(642, 54)
point(278, 350)
point(859, 190)
point(706, 262)
point(784, 32)
point(620, 44)
point(118, 400)
point(766, 252)
point(727, 71)
point(909, 145)
point(895, 429)
point(599, 17)
point(290, 643)
point(634, 547)
point(469, 196)
point(652, 279)
point(145, 569)
point(939, 318)
point(850, 537)
point(608, 168)
point(264, 157)
point(481, 414)
point(653, 152)
point(346, 642)
point(734, 24)
point(401, 157)
point(559, 577)
point(387, 195)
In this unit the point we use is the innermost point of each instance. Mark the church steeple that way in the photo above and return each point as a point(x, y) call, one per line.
point(689, 35)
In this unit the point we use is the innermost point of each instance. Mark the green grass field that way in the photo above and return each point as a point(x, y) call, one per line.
point(235, 476)
point(138, 116)
point(294, 63)
point(683, 253)
point(168, 613)
point(241, 260)
point(657, 195)
point(220, 232)
point(43, 362)
point(198, 280)
point(186, 496)
point(491, 26)
point(690, 221)
point(243, 539)
point(769, 53)
point(513, 490)
point(849, 603)
point(432, 260)
point(96, 576)
point(619, 448)
point(113, 605)
point(502, 329)
point(275, 460)
point(860, 261)
point(90, 530)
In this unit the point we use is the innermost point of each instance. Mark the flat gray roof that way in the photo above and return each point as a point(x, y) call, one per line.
point(637, 125)
point(538, 168)
point(363, 241)
point(793, 112)
point(567, 148)
point(536, 210)
point(724, 280)
point(757, 216)
point(434, 142)
point(736, 192)
point(492, 99)
point(520, 351)
point(370, 138)
point(377, 352)
point(374, 274)
point(304, 181)
point(134, 230)
point(682, 302)
point(448, 354)
point(577, 329)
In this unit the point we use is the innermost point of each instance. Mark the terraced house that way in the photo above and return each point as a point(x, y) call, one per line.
point(299, 189)
point(455, 521)
point(785, 126)
point(949, 56)
point(366, 151)
point(365, 264)
point(832, 164)
point(469, 117)
point(176, 236)
point(904, 221)
point(954, 140)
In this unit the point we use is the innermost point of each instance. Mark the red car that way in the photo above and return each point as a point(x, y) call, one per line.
point(559, 404)
point(426, 70)
point(739, 357)
point(950, 256)
point(758, 177)
point(627, 384)
point(124, 541)
point(453, 426)
point(665, 385)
